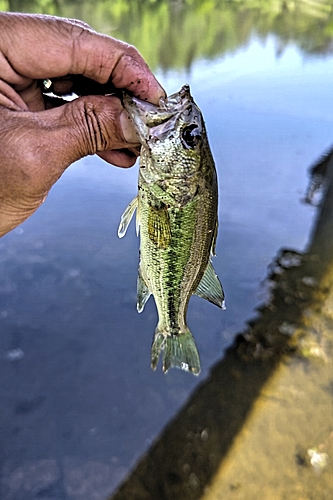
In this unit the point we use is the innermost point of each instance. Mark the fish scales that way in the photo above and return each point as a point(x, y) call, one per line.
point(177, 216)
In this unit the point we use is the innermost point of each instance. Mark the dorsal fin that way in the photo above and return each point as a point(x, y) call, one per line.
point(210, 287)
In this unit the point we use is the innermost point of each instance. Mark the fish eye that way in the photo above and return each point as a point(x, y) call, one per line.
point(191, 136)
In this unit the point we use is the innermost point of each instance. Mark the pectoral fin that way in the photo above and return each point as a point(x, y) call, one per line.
point(210, 287)
point(143, 293)
point(159, 226)
point(127, 217)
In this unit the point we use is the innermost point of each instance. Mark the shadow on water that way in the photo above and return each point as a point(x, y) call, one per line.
point(187, 455)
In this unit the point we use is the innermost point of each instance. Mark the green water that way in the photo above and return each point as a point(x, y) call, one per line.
point(175, 34)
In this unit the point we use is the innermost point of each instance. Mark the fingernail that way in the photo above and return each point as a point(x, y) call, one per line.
point(128, 129)
point(161, 94)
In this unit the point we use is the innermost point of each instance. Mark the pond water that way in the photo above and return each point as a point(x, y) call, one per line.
point(76, 384)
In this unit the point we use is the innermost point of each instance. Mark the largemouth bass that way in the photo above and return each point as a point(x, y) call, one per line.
point(177, 220)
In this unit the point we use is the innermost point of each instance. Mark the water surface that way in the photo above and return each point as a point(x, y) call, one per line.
point(76, 384)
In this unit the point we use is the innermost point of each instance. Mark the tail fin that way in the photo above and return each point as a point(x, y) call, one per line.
point(179, 350)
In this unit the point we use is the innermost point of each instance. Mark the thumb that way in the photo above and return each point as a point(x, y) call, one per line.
point(89, 125)
point(37, 147)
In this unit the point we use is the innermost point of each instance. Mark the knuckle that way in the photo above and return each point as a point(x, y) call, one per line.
point(132, 52)
point(94, 134)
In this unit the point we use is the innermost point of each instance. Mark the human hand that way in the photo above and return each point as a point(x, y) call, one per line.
point(41, 137)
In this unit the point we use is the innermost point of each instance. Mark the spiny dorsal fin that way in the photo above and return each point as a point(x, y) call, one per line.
point(210, 287)
point(213, 247)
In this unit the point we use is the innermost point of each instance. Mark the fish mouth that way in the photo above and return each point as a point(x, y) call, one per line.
point(146, 115)
point(179, 97)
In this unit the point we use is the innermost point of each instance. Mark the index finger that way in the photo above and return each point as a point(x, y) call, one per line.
point(39, 47)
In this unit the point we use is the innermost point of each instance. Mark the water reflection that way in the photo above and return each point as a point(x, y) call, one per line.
point(163, 30)
point(79, 401)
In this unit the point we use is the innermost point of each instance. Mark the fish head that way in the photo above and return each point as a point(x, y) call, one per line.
point(171, 133)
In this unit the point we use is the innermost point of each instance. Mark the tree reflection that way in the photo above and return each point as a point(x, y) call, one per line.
point(172, 34)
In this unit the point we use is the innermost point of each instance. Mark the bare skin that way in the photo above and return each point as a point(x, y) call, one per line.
point(41, 137)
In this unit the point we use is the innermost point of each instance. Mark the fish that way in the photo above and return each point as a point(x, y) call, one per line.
point(177, 219)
